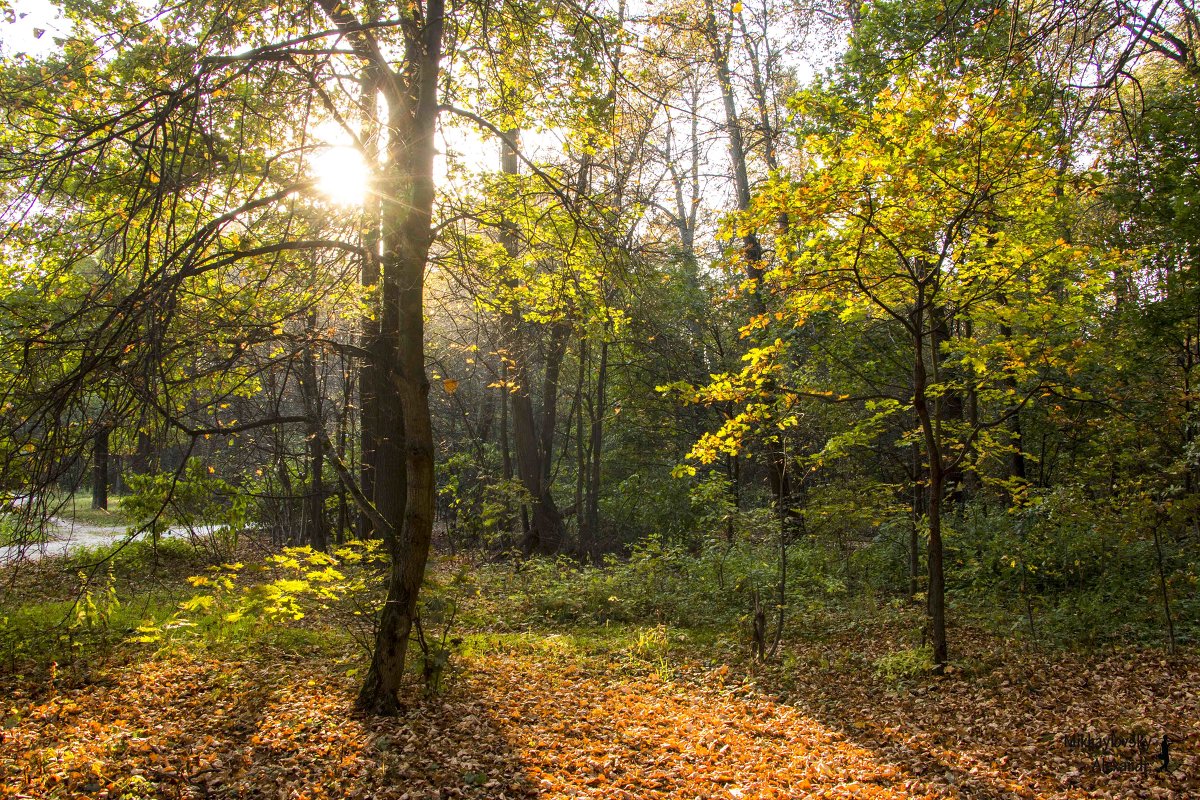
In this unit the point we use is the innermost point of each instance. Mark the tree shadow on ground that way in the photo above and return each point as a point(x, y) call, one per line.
point(272, 726)
point(554, 722)
point(1011, 722)
point(591, 727)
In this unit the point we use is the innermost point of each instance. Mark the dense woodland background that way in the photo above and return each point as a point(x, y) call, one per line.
point(713, 315)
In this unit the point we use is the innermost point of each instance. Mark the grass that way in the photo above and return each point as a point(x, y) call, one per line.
point(78, 610)
point(10, 534)
point(77, 507)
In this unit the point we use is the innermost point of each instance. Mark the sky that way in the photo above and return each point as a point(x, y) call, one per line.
point(37, 23)
point(32, 16)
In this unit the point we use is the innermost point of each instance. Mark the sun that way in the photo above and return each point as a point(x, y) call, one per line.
point(341, 175)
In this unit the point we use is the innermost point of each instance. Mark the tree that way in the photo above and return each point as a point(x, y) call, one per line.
point(159, 158)
point(893, 224)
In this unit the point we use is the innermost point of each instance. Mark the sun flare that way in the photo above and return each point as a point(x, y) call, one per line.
point(341, 175)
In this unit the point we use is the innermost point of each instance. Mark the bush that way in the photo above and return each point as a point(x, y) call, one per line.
point(1075, 568)
point(478, 505)
point(904, 664)
point(342, 587)
point(658, 583)
point(209, 509)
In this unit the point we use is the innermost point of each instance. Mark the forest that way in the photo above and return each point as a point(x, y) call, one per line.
point(599, 398)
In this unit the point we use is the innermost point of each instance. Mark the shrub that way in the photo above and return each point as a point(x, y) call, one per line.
point(904, 664)
point(209, 509)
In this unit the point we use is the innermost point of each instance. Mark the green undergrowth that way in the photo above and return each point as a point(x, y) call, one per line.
point(665, 606)
point(72, 613)
point(658, 583)
point(720, 585)
point(664, 610)
point(12, 532)
point(78, 508)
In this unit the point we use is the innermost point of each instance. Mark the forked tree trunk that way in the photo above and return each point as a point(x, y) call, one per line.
point(719, 42)
point(548, 520)
point(403, 481)
point(543, 530)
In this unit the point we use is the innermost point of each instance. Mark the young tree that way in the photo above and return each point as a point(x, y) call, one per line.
point(942, 199)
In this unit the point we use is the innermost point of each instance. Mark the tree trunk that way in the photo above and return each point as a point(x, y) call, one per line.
point(369, 368)
point(542, 527)
point(581, 456)
point(100, 469)
point(935, 491)
point(949, 405)
point(734, 471)
point(914, 533)
point(344, 444)
point(752, 251)
point(546, 534)
point(316, 532)
point(1017, 468)
point(937, 578)
point(404, 489)
point(597, 446)
point(555, 353)
point(141, 462)
point(505, 442)
point(1162, 587)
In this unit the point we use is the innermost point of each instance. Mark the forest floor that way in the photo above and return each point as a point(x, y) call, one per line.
point(609, 712)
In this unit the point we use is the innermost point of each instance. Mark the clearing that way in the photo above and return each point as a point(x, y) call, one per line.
point(620, 711)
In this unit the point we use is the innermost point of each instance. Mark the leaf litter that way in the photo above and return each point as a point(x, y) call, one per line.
point(524, 722)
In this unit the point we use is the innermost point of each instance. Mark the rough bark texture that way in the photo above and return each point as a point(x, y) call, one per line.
point(403, 475)
point(543, 532)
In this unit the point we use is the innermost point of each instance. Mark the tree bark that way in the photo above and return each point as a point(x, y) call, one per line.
point(404, 489)
point(369, 368)
point(949, 405)
point(935, 490)
point(752, 251)
point(100, 469)
point(581, 457)
point(914, 532)
point(543, 527)
point(597, 445)
point(1017, 468)
point(316, 532)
